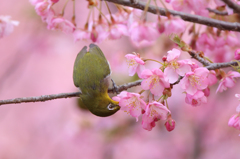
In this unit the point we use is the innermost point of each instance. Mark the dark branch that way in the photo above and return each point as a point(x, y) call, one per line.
point(187, 17)
point(214, 66)
point(232, 5)
point(200, 59)
point(44, 98)
point(217, 11)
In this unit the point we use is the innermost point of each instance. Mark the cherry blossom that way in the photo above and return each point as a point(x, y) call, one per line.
point(116, 31)
point(196, 80)
point(181, 5)
point(154, 81)
point(34, 2)
point(54, 1)
point(237, 96)
point(135, 64)
point(43, 8)
point(227, 80)
point(191, 63)
point(131, 103)
point(234, 121)
point(219, 2)
point(148, 123)
point(7, 25)
point(212, 79)
point(140, 32)
point(205, 41)
point(238, 107)
point(174, 25)
point(199, 7)
point(154, 111)
point(206, 92)
point(237, 54)
point(174, 67)
point(99, 31)
point(197, 99)
point(81, 34)
point(59, 23)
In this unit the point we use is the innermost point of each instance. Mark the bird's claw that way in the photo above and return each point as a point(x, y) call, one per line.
point(115, 87)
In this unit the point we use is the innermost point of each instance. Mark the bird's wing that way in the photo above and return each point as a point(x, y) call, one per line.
point(91, 70)
point(76, 64)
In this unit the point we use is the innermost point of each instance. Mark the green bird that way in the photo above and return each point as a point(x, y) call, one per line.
point(91, 74)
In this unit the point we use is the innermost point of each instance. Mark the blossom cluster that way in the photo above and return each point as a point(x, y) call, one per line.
point(55, 21)
point(193, 79)
point(125, 22)
point(219, 48)
point(198, 7)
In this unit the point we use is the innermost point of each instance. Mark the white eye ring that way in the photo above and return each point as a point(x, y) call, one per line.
point(110, 106)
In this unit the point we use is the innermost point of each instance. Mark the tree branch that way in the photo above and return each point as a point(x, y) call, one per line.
point(44, 98)
point(187, 17)
point(217, 11)
point(214, 66)
point(198, 58)
point(232, 5)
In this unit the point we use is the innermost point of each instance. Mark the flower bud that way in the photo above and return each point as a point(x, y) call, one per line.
point(164, 58)
point(94, 35)
point(167, 91)
point(170, 124)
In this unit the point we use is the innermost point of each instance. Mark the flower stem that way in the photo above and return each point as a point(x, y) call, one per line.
point(74, 15)
point(141, 91)
point(64, 7)
point(153, 60)
point(103, 15)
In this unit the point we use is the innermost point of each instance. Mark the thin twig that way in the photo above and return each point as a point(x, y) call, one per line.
point(217, 11)
point(44, 98)
point(200, 59)
point(187, 17)
point(214, 66)
point(232, 5)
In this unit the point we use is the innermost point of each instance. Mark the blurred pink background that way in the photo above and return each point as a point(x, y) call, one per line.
point(36, 61)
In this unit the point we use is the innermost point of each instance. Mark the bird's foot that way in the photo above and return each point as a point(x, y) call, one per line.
point(115, 87)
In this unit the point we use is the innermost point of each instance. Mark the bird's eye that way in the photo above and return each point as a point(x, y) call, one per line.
point(110, 106)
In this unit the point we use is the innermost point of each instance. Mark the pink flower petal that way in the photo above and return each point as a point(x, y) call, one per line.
point(140, 69)
point(183, 69)
point(191, 90)
point(171, 75)
point(157, 72)
point(229, 82)
point(146, 73)
point(173, 54)
point(146, 84)
point(201, 71)
point(157, 89)
point(132, 70)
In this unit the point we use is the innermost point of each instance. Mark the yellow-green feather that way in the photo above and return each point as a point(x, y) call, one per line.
point(92, 74)
point(90, 69)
